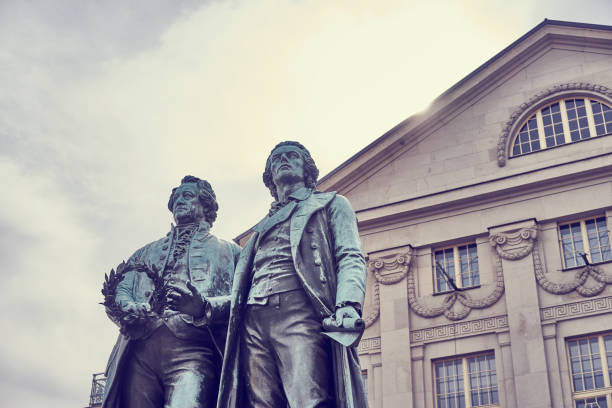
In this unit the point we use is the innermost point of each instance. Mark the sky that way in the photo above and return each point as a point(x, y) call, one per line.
point(105, 106)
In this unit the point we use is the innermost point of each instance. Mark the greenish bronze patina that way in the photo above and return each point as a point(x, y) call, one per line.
point(171, 302)
point(303, 265)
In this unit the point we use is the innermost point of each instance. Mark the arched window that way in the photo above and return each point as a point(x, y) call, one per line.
point(563, 121)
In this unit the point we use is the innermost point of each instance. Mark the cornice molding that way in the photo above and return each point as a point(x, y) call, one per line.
point(539, 99)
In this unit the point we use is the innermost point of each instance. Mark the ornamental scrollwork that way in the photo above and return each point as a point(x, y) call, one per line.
point(456, 305)
point(516, 245)
point(400, 264)
point(502, 144)
point(580, 281)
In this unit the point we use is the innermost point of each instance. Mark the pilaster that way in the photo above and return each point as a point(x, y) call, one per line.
point(514, 243)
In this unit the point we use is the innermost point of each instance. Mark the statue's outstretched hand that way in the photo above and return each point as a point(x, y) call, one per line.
point(186, 301)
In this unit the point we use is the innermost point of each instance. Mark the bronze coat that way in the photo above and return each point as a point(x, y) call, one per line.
point(330, 264)
point(211, 267)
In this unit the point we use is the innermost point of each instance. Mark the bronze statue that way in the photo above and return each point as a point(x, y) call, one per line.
point(302, 266)
point(171, 301)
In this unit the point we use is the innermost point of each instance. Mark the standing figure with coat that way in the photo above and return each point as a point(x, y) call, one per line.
point(171, 302)
point(302, 265)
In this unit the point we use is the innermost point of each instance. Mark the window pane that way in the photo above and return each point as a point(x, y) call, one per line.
point(441, 283)
point(449, 383)
point(468, 262)
point(608, 346)
point(528, 139)
point(553, 127)
point(585, 364)
point(602, 116)
point(595, 402)
point(571, 244)
point(483, 380)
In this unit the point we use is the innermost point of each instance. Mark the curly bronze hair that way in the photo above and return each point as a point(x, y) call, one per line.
point(206, 195)
point(311, 172)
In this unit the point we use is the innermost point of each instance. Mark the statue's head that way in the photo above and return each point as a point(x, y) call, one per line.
point(289, 162)
point(193, 201)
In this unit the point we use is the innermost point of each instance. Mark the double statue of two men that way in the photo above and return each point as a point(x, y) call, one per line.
point(207, 324)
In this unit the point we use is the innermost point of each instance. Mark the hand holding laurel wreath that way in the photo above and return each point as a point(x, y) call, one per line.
point(133, 318)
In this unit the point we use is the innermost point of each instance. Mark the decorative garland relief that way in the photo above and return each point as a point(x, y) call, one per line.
point(510, 246)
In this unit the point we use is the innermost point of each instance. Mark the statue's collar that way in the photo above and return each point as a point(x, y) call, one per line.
point(300, 194)
point(202, 227)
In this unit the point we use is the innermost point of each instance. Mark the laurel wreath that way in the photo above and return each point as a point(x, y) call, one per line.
point(129, 321)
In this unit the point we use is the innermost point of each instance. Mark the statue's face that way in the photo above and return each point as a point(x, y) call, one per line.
point(187, 207)
point(286, 165)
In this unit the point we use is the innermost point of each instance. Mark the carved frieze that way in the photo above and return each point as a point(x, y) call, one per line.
point(502, 144)
point(460, 329)
point(581, 308)
point(368, 346)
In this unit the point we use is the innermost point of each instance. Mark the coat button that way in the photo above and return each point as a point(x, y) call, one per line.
point(165, 247)
point(314, 245)
point(317, 262)
point(309, 230)
point(323, 279)
point(147, 293)
point(162, 257)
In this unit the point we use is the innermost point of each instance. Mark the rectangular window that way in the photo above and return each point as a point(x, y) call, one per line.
point(588, 236)
point(466, 382)
point(460, 264)
point(590, 364)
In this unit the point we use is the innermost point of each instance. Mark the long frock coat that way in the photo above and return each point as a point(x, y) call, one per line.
point(211, 268)
point(330, 264)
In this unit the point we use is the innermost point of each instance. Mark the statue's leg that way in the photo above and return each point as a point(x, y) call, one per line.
point(258, 361)
point(304, 354)
point(140, 385)
point(191, 373)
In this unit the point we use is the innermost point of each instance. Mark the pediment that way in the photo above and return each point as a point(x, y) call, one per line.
point(455, 141)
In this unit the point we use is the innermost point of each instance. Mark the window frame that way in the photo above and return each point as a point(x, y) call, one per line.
point(466, 378)
point(596, 392)
point(561, 99)
point(585, 239)
point(457, 267)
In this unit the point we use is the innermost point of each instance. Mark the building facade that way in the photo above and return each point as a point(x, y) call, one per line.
point(486, 223)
